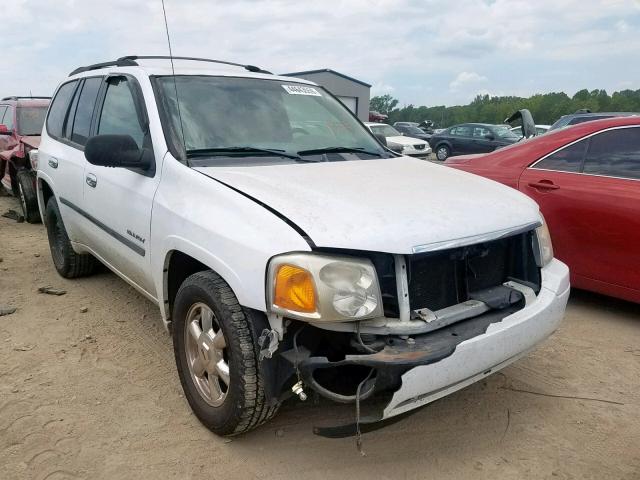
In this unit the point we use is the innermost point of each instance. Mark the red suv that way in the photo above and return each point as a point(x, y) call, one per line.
point(21, 121)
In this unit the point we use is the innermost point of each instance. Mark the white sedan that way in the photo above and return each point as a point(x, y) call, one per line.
point(413, 147)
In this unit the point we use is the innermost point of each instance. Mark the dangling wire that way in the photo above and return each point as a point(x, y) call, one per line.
point(295, 349)
point(358, 432)
point(362, 344)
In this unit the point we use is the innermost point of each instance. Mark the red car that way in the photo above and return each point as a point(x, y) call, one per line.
point(21, 121)
point(586, 179)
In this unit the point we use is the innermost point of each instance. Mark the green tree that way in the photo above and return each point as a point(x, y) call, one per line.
point(545, 108)
point(383, 104)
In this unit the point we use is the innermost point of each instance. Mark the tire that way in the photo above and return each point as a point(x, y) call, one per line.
point(68, 263)
point(28, 196)
point(442, 152)
point(226, 406)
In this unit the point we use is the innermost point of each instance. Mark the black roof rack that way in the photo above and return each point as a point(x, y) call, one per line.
point(130, 61)
point(19, 97)
point(96, 66)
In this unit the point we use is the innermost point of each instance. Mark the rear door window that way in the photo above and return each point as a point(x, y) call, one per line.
point(569, 159)
point(615, 153)
point(59, 108)
point(84, 110)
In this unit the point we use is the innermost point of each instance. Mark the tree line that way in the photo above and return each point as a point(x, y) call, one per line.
point(545, 108)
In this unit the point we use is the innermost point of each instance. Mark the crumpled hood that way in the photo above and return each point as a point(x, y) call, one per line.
point(388, 205)
point(32, 141)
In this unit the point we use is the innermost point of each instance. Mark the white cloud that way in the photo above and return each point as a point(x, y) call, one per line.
point(425, 51)
point(465, 78)
point(381, 88)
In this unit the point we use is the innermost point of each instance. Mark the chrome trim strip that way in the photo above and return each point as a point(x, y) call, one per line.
point(136, 248)
point(484, 237)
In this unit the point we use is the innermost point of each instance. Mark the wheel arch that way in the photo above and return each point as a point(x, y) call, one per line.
point(44, 192)
point(183, 259)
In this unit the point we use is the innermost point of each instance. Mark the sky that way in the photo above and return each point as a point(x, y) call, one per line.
point(422, 52)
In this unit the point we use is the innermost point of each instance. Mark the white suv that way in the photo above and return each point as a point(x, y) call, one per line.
point(287, 249)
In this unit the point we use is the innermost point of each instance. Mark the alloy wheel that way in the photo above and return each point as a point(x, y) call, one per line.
point(207, 355)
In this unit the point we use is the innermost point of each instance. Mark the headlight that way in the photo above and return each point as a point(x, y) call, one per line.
point(545, 247)
point(33, 158)
point(395, 147)
point(323, 288)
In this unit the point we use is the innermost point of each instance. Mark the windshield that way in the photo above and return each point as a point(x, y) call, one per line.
point(222, 113)
point(386, 130)
point(505, 132)
point(413, 131)
point(31, 120)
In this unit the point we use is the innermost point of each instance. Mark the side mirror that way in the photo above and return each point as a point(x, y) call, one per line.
point(381, 138)
point(4, 130)
point(117, 151)
point(490, 136)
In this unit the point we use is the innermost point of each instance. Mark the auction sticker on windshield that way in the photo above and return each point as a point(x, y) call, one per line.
point(301, 90)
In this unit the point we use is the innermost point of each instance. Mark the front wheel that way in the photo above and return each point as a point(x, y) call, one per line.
point(217, 356)
point(442, 152)
point(28, 197)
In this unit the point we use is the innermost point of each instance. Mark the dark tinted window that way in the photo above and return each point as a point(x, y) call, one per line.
point(84, 111)
point(587, 118)
point(480, 132)
point(615, 153)
point(59, 108)
point(8, 119)
point(461, 131)
point(569, 159)
point(31, 120)
point(119, 114)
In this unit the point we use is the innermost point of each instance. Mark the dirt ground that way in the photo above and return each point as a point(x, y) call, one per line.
point(95, 395)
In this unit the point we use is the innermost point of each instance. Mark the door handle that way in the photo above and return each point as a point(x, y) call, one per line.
point(91, 180)
point(53, 162)
point(544, 185)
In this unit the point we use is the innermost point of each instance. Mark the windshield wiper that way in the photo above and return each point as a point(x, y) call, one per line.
point(314, 151)
point(206, 152)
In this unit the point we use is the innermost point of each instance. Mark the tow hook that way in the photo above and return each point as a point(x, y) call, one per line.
point(299, 391)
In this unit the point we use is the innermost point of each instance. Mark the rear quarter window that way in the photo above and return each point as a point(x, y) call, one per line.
point(568, 159)
point(59, 108)
point(615, 153)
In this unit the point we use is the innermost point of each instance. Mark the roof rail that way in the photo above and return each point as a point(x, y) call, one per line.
point(130, 61)
point(25, 97)
point(123, 62)
point(251, 68)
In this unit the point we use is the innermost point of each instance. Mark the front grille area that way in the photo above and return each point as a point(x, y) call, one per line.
point(419, 147)
point(444, 278)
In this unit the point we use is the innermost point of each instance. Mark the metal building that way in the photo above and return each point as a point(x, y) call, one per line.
point(353, 93)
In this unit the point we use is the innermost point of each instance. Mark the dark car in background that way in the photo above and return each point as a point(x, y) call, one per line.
point(21, 121)
point(585, 116)
point(470, 138)
point(412, 131)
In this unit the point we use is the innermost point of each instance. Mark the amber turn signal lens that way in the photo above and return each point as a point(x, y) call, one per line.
point(294, 289)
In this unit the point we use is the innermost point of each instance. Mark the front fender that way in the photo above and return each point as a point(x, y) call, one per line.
point(175, 243)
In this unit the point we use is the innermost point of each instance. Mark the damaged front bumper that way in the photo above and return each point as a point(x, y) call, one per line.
point(417, 370)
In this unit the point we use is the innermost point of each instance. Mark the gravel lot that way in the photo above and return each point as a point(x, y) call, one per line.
point(94, 394)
